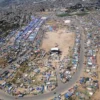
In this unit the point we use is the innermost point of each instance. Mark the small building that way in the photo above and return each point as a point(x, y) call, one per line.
point(55, 50)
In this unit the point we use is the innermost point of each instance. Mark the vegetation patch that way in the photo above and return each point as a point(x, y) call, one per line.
point(72, 14)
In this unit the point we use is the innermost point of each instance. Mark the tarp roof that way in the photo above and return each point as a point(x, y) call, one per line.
point(54, 49)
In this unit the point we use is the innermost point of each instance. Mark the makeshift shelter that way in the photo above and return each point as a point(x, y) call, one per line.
point(55, 50)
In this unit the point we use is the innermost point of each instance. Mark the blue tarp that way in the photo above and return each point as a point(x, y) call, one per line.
point(50, 28)
point(35, 23)
point(38, 88)
point(68, 94)
point(27, 28)
point(2, 40)
point(82, 80)
point(42, 88)
point(32, 37)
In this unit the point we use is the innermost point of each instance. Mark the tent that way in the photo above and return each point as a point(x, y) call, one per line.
point(68, 94)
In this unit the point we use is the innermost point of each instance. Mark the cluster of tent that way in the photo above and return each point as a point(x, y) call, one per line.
point(31, 31)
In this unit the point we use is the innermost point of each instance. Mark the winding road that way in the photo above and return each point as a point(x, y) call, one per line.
point(61, 88)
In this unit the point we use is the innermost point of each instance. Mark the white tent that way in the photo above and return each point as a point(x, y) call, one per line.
point(67, 21)
point(54, 49)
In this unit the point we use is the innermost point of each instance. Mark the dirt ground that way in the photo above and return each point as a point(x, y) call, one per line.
point(61, 38)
